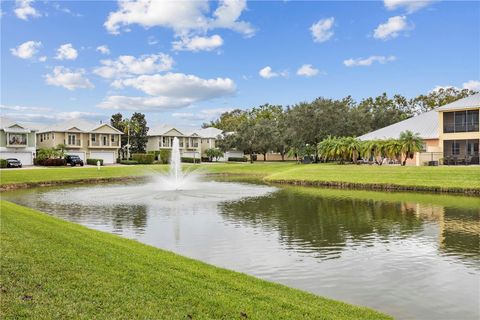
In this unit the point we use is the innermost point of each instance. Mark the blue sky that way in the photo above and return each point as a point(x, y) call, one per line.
point(185, 62)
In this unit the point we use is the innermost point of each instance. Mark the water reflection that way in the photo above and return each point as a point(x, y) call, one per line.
point(309, 220)
point(409, 255)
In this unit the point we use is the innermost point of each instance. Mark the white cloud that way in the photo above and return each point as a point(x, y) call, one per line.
point(361, 62)
point(322, 30)
point(42, 58)
point(66, 52)
point(125, 66)
point(22, 108)
point(307, 70)
point(189, 20)
point(181, 85)
point(472, 85)
point(268, 73)
point(103, 49)
point(198, 43)
point(69, 79)
point(227, 15)
point(201, 115)
point(143, 103)
point(26, 50)
point(409, 5)
point(392, 28)
point(169, 91)
point(24, 10)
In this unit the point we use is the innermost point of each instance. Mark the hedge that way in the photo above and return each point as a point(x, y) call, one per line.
point(143, 158)
point(128, 162)
point(94, 161)
point(236, 159)
point(165, 155)
point(51, 162)
point(3, 163)
point(190, 160)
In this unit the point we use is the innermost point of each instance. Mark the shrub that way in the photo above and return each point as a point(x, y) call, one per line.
point(128, 162)
point(51, 162)
point(93, 162)
point(165, 155)
point(190, 160)
point(143, 158)
point(242, 159)
point(3, 163)
point(205, 159)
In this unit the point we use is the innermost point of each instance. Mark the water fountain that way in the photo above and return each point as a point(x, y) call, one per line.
point(176, 173)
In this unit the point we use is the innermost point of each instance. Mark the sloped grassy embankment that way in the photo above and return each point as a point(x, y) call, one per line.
point(53, 269)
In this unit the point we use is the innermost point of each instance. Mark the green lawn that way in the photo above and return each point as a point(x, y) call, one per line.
point(53, 269)
point(443, 177)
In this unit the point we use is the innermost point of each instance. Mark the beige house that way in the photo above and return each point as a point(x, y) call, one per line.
point(193, 143)
point(162, 138)
point(86, 139)
point(450, 133)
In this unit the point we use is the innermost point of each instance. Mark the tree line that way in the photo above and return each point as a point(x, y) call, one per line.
point(298, 129)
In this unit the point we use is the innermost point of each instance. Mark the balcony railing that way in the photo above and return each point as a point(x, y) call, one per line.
point(76, 143)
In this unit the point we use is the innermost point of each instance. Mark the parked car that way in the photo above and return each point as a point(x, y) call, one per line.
point(73, 160)
point(13, 163)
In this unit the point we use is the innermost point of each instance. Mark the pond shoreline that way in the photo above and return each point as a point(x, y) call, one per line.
point(155, 283)
point(309, 183)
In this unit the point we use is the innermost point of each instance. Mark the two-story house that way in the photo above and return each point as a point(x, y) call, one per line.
point(459, 133)
point(17, 141)
point(86, 139)
point(162, 138)
point(450, 133)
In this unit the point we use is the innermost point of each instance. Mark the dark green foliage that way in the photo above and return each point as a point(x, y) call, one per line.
point(236, 159)
point(143, 158)
point(93, 162)
point(190, 160)
point(51, 162)
point(3, 163)
point(129, 162)
point(165, 155)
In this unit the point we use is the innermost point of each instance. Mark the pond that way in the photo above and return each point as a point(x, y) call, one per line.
point(409, 255)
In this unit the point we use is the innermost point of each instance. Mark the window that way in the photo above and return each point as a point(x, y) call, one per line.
point(93, 137)
point(472, 120)
point(460, 121)
point(455, 148)
point(424, 147)
point(17, 139)
point(112, 138)
point(105, 141)
point(53, 136)
point(72, 139)
point(472, 147)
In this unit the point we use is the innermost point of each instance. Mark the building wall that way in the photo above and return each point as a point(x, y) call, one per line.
point(52, 139)
point(456, 135)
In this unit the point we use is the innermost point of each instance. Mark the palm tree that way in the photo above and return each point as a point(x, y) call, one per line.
point(393, 149)
point(352, 148)
point(411, 143)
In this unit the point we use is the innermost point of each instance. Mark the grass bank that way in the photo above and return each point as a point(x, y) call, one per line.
point(437, 179)
point(53, 269)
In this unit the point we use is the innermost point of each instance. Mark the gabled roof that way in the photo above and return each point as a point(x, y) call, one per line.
point(9, 125)
point(76, 125)
point(426, 125)
point(472, 101)
point(163, 130)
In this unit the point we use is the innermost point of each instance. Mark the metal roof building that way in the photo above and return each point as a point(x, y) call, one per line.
point(426, 125)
